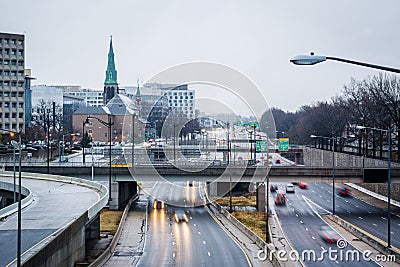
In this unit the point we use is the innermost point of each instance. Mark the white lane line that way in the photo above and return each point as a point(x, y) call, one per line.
point(312, 237)
point(360, 218)
point(191, 218)
point(313, 191)
point(369, 212)
point(306, 229)
point(204, 242)
point(348, 211)
point(346, 201)
point(329, 191)
point(320, 196)
point(392, 233)
point(173, 255)
point(209, 254)
point(383, 218)
point(356, 206)
point(173, 243)
point(328, 200)
point(301, 222)
point(199, 233)
point(195, 224)
point(297, 215)
point(374, 224)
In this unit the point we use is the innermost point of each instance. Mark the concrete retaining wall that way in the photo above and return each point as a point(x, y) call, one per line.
point(10, 209)
point(381, 189)
point(65, 249)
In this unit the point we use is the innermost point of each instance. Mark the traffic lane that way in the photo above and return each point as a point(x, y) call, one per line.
point(356, 211)
point(55, 204)
point(302, 227)
point(198, 242)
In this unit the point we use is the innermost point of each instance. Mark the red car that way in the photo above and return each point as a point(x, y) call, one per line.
point(329, 235)
point(273, 187)
point(280, 198)
point(344, 192)
point(302, 185)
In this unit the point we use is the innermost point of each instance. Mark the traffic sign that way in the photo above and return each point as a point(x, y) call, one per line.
point(283, 144)
point(262, 146)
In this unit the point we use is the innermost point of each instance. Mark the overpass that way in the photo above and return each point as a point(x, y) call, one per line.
point(58, 216)
point(205, 173)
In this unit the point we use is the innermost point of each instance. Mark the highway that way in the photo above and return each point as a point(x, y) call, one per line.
point(199, 242)
point(356, 211)
point(301, 223)
point(55, 204)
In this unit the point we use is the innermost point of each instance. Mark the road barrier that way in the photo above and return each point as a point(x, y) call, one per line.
point(10, 209)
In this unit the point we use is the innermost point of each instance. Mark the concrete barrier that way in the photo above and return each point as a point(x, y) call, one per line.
point(10, 209)
point(266, 247)
point(370, 239)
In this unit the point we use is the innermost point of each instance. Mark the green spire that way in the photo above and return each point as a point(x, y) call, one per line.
point(111, 72)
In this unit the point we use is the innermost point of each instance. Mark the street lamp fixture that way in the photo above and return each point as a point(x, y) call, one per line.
point(388, 131)
point(313, 59)
point(109, 125)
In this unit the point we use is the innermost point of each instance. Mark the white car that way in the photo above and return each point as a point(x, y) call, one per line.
point(290, 188)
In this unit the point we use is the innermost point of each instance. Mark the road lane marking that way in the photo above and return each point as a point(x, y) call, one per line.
point(297, 215)
point(204, 242)
point(312, 237)
point(194, 225)
point(209, 254)
point(348, 211)
point(199, 233)
point(301, 222)
point(374, 224)
point(306, 229)
point(346, 201)
point(360, 217)
point(173, 255)
point(383, 218)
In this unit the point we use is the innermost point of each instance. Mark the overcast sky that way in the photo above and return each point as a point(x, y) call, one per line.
point(67, 41)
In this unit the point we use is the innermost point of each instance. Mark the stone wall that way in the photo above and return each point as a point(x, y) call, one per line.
point(382, 189)
point(323, 158)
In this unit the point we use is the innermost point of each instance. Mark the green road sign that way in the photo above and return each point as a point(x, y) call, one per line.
point(283, 144)
point(261, 146)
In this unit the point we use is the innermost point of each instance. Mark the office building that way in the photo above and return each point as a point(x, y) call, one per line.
point(12, 79)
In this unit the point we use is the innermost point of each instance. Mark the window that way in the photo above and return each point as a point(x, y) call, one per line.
point(20, 105)
point(13, 73)
point(6, 115)
point(6, 83)
point(13, 105)
point(6, 105)
point(6, 62)
point(13, 62)
point(6, 94)
point(6, 41)
point(20, 115)
point(20, 94)
point(20, 73)
point(14, 84)
point(14, 115)
point(6, 51)
point(6, 126)
point(6, 73)
point(20, 52)
point(20, 42)
point(13, 41)
point(20, 63)
point(20, 84)
point(13, 52)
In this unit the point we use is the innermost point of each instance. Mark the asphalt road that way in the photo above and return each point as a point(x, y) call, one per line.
point(55, 205)
point(356, 211)
point(302, 226)
point(198, 242)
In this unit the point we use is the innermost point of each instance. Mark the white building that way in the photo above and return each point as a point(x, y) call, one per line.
point(46, 93)
point(91, 97)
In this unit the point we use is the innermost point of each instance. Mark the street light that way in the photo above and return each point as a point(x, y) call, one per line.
point(333, 167)
point(19, 195)
point(314, 59)
point(227, 124)
point(109, 125)
point(84, 123)
point(388, 131)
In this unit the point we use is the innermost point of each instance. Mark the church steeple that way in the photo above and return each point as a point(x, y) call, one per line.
point(111, 72)
point(110, 83)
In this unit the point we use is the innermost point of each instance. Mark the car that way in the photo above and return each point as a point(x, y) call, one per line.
point(290, 188)
point(278, 161)
point(158, 204)
point(190, 183)
point(280, 198)
point(180, 216)
point(302, 185)
point(273, 187)
point(329, 235)
point(344, 192)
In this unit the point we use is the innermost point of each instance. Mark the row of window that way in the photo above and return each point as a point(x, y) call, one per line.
point(11, 104)
point(7, 62)
point(180, 93)
point(13, 84)
point(12, 126)
point(11, 41)
point(12, 94)
point(181, 97)
point(12, 52)
point(11, 73)
point(13, 115)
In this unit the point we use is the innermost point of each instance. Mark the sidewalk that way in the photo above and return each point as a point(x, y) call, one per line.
point(131, 242)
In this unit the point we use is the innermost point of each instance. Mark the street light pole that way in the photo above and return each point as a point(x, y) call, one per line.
point(389, 132)
point(83, 144)
point(109, 125)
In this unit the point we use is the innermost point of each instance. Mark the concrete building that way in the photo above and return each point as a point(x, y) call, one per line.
point(91, 97)
point(47, 94)
point(12, 79)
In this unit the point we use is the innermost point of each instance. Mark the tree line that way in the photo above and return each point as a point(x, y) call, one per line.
point(372, 102)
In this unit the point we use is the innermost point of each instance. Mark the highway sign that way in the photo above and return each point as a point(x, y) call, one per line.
point(261, 146)
point(283, 144)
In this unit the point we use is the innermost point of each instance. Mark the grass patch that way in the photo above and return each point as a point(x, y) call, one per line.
point(254, 220)
point(246, 200)
point(109, 220)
